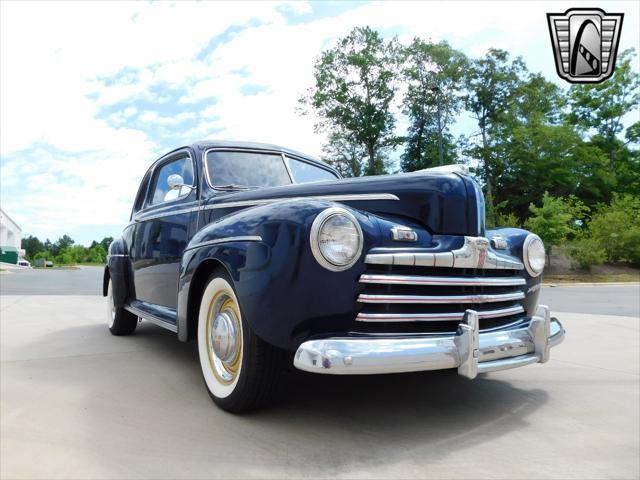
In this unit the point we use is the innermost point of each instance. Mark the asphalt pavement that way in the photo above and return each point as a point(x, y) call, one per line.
point(76, 402)
point(52, 281)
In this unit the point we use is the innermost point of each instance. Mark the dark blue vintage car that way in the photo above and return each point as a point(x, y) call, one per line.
point(269, 259)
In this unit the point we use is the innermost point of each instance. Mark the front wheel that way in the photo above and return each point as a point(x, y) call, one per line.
point(240, 371)
point(120, 321)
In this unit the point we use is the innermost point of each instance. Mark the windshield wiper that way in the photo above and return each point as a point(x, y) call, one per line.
point(231, 186)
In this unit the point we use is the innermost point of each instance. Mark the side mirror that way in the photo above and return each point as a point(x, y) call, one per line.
point(176, 182)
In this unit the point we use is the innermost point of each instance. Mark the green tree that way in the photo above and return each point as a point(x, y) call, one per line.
point(353, 91)
point(556, 219)
point(490, 82)
point(599, 108)
point(104, 243)
point(32, 246)
point(63, 242)
point(344, 153)
point(96, 254)
point(421, 149)
point(432, 74)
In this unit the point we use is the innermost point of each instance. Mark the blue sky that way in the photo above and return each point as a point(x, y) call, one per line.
point(92, 92)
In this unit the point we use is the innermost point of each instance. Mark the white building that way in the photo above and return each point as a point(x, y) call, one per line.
point(10, 232)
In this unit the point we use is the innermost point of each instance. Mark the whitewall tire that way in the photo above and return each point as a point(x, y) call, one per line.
point(220, 372)
point(119, 321)
point(241, 371)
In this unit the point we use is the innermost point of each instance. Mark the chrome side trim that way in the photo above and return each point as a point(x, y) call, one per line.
point(474, 253)
point(246, 238)
point(169, 213)
point(332, 198)
point(449, 281)
point(451, 168)
point(437, 299)
point(470, 351)
point(435, 317)
point(117, 255)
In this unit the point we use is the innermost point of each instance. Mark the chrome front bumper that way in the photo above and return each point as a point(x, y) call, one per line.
point(470, 351)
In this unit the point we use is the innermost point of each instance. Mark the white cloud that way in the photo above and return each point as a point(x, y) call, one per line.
point(64, 63)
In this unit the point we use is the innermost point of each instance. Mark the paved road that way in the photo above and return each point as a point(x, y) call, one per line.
point(604, 299)
point(608, 300)
point(52, 281)
point(77, 402)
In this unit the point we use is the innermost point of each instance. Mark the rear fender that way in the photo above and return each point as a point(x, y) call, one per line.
point(117, 270)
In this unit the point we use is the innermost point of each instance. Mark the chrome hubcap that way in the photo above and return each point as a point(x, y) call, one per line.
point(225, 337)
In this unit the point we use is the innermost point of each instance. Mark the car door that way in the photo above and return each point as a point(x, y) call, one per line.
point(163, 229)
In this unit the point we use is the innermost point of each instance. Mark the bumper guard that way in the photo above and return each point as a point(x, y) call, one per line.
point(470, 351)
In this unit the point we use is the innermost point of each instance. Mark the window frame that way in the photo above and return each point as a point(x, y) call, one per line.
point(141, 196)
point(171, 157)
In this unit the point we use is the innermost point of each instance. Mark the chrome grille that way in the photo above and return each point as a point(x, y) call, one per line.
point(414, 298)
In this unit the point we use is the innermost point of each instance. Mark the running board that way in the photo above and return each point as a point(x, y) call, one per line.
point(144, 314)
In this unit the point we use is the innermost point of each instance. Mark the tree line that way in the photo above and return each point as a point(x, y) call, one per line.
point(64, 251)
point(536, 147)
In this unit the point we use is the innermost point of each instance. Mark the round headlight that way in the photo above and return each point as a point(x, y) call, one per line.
point(534, 255)
point(336, 239)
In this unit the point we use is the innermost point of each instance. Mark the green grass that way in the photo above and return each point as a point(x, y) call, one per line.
point(592, 278)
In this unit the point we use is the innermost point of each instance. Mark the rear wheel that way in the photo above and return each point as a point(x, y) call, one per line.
point(120, 321)
point(241, 372)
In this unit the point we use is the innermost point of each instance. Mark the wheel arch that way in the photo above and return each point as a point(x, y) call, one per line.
point(196, 288)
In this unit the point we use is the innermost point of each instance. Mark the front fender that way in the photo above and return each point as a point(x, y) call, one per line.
point(285, 295)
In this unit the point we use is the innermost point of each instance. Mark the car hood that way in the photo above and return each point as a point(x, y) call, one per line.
point(444, 203)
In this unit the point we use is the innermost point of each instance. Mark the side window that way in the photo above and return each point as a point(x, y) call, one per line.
point(161, 190)
point(304, 172)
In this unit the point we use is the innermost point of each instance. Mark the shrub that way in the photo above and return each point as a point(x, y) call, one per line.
point(556, 219)
point(585, 252)
point(616, 229)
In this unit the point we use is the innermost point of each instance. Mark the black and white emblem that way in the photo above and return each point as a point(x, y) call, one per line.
point(585, 43)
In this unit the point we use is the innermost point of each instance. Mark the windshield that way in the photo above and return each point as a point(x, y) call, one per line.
point(238, 170)
point(246, 169)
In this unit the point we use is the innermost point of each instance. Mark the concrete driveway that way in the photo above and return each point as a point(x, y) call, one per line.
point(77, 402)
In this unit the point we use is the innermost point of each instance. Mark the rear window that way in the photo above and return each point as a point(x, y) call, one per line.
point(246, 169)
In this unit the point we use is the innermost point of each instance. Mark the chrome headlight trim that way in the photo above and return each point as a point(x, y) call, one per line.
point(532, 237)
point(316, 228)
